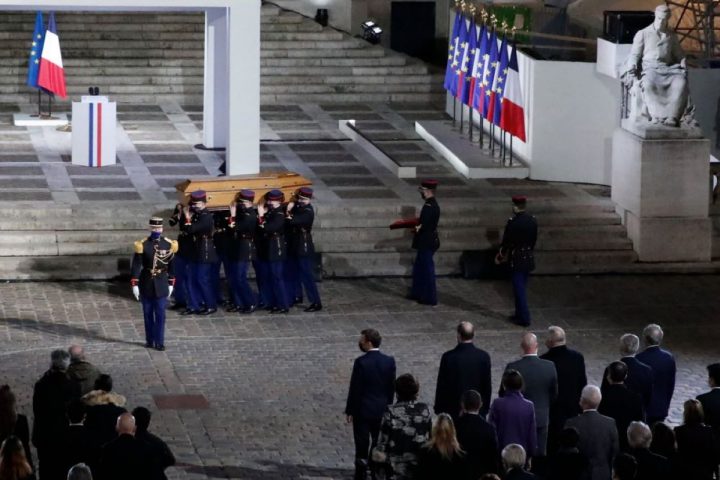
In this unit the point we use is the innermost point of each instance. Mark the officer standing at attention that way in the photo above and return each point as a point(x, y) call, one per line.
point(426, 242)
point(300, 217)
point(152, 280)
point(271, 220)
point(200, 225)
point(517, 248)
point(244, 222)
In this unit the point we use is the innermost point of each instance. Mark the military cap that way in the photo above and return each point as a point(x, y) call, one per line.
point(198, 196)
point(248, 195)
point(519, 199)
point(155, 222)
point(429, 184)
point(305, 192)
point(274, 195)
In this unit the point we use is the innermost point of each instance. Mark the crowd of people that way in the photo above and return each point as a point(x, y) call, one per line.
point(81, 429)
point(546, 422)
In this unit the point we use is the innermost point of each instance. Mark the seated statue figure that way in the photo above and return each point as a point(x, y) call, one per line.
point(656, 75)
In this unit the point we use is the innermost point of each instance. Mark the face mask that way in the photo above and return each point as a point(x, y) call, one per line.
point(155, 235)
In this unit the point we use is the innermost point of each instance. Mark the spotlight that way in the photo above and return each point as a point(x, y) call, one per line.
point(371, 32)
point(321, 16)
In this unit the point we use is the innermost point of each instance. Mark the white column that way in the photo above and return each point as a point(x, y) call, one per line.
point(215, 92)
point(243, 89)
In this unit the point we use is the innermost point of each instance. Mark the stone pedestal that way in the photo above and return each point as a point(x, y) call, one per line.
point(661, 190)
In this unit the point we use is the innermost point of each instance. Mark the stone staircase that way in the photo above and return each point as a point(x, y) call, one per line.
point(157, 57)
point(73, 242)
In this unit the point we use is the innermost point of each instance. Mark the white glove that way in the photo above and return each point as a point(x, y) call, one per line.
point(136, 292)
point(170, 290)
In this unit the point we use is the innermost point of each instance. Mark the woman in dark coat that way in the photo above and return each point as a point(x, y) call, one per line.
point(697, 455)
point(13, 423)
point(441, 457)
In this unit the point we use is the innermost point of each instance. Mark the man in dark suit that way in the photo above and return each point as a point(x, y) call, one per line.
point(619, 403)
point(711, 400)
point(640, 376)
point(78, 444)
point(477, 438)
point(598, 435)
point(650, 466)
point(463, 368)
point(541, 386)
point(570, 368)
point(517, 247)
point(372, 386)
point(663, 367)
point(125, 457)
point(160, 454)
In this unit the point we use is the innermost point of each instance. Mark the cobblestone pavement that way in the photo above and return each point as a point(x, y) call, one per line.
point(276, 385)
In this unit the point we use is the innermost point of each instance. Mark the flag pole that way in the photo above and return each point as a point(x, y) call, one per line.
point(462, 114)
point(50, 106)
point(454, 110)
point(470, 121)
point(511, 150)
point(39, 103)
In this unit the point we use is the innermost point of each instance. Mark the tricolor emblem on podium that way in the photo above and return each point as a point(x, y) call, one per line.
point(93, 139)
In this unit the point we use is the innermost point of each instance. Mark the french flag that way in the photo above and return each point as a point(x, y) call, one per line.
point(52, 75)
point(512, 114)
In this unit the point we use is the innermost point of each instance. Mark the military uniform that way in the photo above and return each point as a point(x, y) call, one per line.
point(272, 225)
point(222, 238)
point(153, 273)
point(200, 227)
point(426, 242)
point(301, 250)
point(517, 248)
point(243, 251)
point(182, 262)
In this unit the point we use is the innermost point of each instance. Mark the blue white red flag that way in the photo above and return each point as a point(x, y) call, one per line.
point(498, 86)
point(512, 115)
point(489, 75)
point(478, 65)
point(450, 77)
point(52, 75)
point(459, 52)
point(35, 51)
point(464, 92)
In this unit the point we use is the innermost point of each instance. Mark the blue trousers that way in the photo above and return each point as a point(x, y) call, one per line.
point(306, 279)
point(201, 286)
point(277, 285)
point(154, 314)
point(182, 280)
point(423, 278)
point(240, 289)
point(519, 283)
point(293, 287)
point(223, 262)
point(262, 274)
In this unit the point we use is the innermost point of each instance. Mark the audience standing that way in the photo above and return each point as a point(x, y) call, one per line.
point(80, 472)
point(513, 415)
point(598, 435)
point(441, 457)
point(371, 390)
point(540, 387)
point(697, 455)
point(78, 445)
point(571, 378)
point(514, 461)
point(711, 400)
point(405, 428)
point(663, 368)
point(80, 371)
point(466, 367)
point(13, 423)
point(650, 466)
point(103, 409)
point(124, 457)
point(619, 403)
point(51, 395)
point(13, 463)
point(663, 440)
point(640, 376)
point(160, 454)
point(477, 437)
point(624, 467)
point(567, 463)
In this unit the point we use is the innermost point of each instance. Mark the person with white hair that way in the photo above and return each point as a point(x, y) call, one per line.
point(650, 466)
point(514, 460)
point(640, 376)
point(664, 370)
point(598, 435)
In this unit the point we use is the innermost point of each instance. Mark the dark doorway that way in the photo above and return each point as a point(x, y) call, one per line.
point(412, 27)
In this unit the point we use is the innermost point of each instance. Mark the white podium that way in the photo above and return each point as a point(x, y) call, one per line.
point(93, 131)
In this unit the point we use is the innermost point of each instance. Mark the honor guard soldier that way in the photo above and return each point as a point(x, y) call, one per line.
point(243, 222)
point(152, 280)
point(222, 237)
point(301, 250)
point(199, 223)
point(181, 260)
point(271, 220)
point(517, 248)
point(426, 242)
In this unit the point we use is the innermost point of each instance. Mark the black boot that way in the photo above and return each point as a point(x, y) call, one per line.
point(361, 469)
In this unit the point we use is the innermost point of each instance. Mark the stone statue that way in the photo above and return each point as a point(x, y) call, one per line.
point(656, 76)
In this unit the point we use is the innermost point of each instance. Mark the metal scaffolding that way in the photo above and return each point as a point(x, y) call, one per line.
point(697, 23)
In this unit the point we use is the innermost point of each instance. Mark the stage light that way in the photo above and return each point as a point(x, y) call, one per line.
point(371, 32)
point(321, 16)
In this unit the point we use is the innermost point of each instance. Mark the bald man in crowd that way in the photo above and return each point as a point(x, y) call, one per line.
point(570, 367)
point(125, 457)
point(598, 435)
point(465, 367)
point(541, 388)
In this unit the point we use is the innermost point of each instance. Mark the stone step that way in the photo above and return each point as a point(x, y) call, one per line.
point(275, 19)
point(151, 89)
point(292, 27)
point(21, 39)
point(417, 72)
point(338, 53)
point(332, 62)
point(311, 78)
point(342, 44)
point(114, 53)
point(90, 19)
point(121, 98)
point(350, 88)
point(344, 98)
point(324, 35)
point(114, 74)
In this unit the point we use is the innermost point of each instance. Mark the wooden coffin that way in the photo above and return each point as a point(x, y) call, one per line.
point(221, 191)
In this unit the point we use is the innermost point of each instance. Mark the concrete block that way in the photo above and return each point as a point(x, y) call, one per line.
point(670, 239)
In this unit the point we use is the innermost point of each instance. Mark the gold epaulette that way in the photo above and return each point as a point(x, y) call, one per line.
point(173, 245)
point(139, 246)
